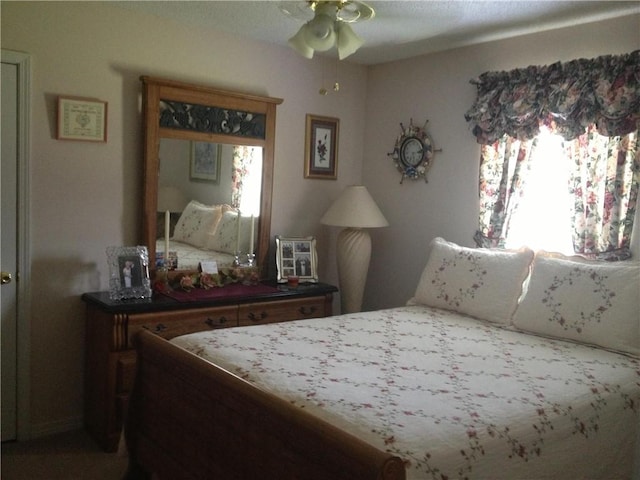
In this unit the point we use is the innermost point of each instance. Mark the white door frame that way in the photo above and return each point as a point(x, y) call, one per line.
point(23, 274)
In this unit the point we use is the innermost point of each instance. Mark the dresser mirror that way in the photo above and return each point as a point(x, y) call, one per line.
point(208, 174)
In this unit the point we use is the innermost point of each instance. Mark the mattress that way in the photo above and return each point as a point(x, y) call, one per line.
point(455, 397)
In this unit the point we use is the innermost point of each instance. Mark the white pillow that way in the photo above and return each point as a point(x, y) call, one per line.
point(483, 283)
point(196, 222)
point(587, 301)
point(223, 239)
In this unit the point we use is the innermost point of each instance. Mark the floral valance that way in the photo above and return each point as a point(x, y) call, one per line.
point(565, 96)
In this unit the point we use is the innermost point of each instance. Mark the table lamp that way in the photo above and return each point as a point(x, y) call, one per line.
point(355, 210)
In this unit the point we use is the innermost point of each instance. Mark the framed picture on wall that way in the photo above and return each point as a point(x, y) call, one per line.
point(321, 147)
point(296, 257)
point(82, 119)
point(205, 162)
point(128, 272)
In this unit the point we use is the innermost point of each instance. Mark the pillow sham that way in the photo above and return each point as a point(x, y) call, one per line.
point(196, 222)
point(223, 239)
point(586, 301)
point(483, 283)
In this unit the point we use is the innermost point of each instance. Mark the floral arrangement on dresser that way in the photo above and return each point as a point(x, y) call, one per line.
point(201, 280)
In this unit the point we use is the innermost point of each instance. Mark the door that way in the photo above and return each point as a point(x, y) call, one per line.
point(13, 228)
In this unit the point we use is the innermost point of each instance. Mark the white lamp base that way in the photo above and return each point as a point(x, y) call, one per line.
point(353, 255)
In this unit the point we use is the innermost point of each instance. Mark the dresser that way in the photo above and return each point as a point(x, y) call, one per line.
point(110, 358)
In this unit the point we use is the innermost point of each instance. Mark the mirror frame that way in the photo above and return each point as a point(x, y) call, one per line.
point(156, 89)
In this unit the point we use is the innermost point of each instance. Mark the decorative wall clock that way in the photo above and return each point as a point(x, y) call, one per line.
point(413, 152)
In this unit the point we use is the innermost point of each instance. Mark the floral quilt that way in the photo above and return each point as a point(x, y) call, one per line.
point(455, 397)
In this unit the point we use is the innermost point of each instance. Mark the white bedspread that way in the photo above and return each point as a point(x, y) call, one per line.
point(455, 397)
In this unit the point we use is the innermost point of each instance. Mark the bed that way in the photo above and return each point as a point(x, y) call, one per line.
point(502, 365)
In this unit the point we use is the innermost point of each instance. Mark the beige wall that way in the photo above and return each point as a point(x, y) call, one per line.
point(85, 197)
point(436, 88)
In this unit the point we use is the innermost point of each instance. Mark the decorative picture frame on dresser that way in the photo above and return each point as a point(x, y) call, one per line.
point(296, 257)
point(128, 272)
point(321, 147)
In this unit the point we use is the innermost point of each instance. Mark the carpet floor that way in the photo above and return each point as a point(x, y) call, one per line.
point(67, 456)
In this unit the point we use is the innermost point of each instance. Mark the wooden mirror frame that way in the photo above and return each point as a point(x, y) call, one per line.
point(156, 89)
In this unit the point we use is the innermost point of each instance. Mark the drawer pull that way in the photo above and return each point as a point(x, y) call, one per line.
point(156, 328)
point(216, 323)
point(306, 311)
point(256, 318)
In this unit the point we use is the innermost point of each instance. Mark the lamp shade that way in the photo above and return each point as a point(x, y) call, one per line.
point(320, 33)
point(171, 199)
point(348, 41)
point(299, 44)
point(354, 208)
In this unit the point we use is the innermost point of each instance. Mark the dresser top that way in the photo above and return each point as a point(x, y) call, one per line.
point(233, 294)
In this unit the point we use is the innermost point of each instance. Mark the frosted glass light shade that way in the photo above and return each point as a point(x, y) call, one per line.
point(299, 44)
point(354, 208)
point(348, 41)
point(320, 34)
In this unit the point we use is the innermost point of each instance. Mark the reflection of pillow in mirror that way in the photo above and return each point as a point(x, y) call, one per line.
point(196, 222)
point(223, 239)
point(484, 283)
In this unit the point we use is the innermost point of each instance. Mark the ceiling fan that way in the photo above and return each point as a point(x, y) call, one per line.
point(327, 25)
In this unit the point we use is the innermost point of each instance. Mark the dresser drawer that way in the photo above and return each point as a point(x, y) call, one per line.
point(173, 324)
point(281, 311)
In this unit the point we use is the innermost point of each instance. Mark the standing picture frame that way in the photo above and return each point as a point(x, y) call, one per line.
point(128, 272)
point(205, 162)
point(82, 119)
point(321, 147)
point(296, 257)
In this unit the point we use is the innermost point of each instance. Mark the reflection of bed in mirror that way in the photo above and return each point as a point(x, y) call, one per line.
point(206, 233)
point(198, 206)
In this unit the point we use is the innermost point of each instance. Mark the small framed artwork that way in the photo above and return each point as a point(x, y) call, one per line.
point(205, 162)
point(129, 272)
point(321, 147)
point(82, 119)
point(296, 257)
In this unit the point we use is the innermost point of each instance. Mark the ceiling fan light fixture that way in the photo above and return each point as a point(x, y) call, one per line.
point(320, 33)
point(348, 42)
point(329, 26)
point(299, 44)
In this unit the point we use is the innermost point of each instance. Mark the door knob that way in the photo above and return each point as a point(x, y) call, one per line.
point(5, 277)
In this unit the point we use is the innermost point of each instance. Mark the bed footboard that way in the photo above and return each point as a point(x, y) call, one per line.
point(189, 419)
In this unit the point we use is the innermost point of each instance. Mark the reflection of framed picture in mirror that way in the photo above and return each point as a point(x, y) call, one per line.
point(321, 147)
point(129, 272)
point(205, 162)
point(296, 257)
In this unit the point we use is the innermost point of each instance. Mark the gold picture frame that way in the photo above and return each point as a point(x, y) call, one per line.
point(321, 147)
point(82, 119)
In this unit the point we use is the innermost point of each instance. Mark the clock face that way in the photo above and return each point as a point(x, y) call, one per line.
point(411, 151)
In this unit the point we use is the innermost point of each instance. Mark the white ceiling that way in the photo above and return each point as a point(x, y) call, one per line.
point(400, 29)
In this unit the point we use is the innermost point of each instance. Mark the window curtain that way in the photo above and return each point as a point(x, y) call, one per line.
point(503, 172)
point(570, 99)
point(243, 159)
point(604, 184)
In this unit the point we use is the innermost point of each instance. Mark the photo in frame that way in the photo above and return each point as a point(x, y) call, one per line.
point(321, 147)
point(205, 162)
point(296, 257)
point(128, 272)
point(82, 119)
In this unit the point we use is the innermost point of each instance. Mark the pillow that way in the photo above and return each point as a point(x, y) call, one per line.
point(483, 283)
point(223, 239)
point(586, 301)
point(196, 222)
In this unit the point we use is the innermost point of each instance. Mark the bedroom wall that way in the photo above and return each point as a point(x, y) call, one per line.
point(85, 197)
point(436, 88)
